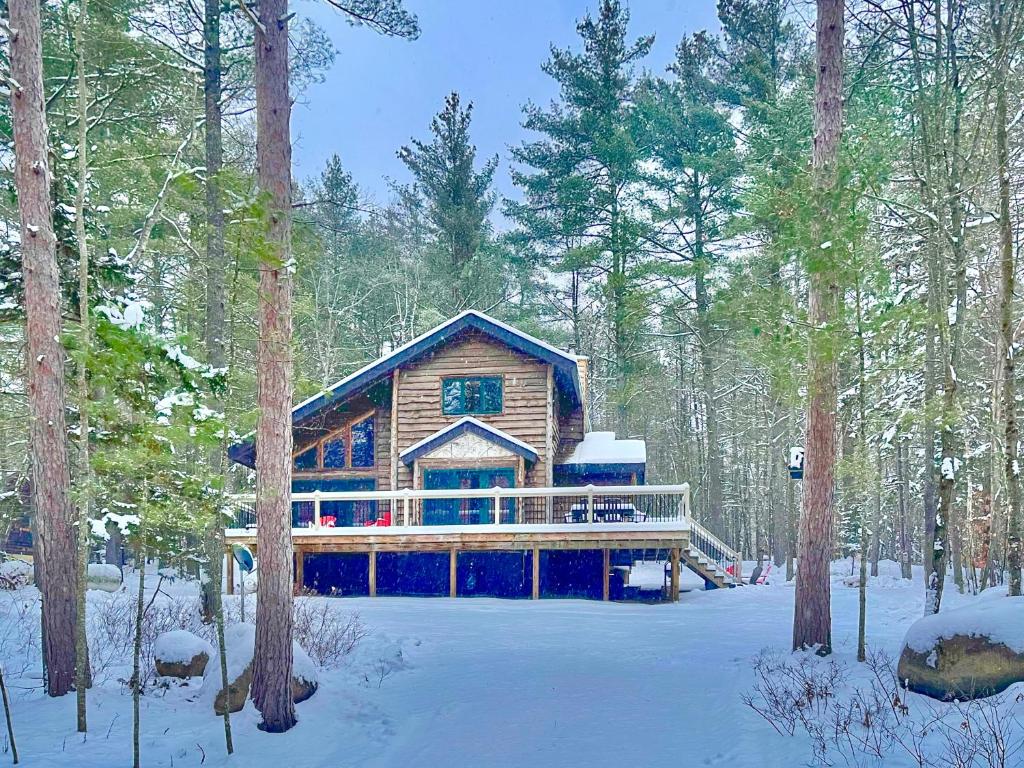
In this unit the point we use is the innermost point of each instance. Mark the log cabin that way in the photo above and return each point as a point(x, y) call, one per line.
point(462, 463)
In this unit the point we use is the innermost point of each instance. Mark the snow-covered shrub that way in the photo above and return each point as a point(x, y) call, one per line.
point(112, 632)
point(15, 574)
point(327, 633)
point(19, 634)
point(869, 721)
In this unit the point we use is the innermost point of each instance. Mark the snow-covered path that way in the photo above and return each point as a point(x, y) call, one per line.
point(502, 683)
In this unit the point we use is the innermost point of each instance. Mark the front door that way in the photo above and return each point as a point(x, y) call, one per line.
point(467, 511)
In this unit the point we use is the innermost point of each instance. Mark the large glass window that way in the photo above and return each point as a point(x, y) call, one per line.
point(350, 448)
point(362, 443)
point(306, 459)
point(334, 453)
point(471, 394)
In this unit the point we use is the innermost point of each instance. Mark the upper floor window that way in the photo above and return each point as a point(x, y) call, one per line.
point(471, 394)
point(348, 448)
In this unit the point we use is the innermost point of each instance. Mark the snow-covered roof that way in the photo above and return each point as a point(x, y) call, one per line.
point(458, 320)
point(463, 425)
point(604, 448)
point(566, 373)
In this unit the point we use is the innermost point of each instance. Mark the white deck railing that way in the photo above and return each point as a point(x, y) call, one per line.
point(591, 504)
point(638, 504)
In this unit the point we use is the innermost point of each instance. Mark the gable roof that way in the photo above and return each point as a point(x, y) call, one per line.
point(461, 427)
point(565, 370)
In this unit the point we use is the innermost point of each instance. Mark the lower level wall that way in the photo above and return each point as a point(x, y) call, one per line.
point(563, 573)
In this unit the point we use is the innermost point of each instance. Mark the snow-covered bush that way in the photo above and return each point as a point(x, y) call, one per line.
point(15, 574)
point(112, 632)
point(19, 633)
point(325, 632)
point(868, 722)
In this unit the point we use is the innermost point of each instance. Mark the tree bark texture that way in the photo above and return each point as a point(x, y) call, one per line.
point(1007, 263)
point(272, 662)
point(215, 268)
point(51, 479)
point(84, 469)
point(812, 621)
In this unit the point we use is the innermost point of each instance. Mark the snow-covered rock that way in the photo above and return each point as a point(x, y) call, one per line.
point(240, 643)
point(966, 653)
point(181, 654)
point(104, 576)
point(15, 574)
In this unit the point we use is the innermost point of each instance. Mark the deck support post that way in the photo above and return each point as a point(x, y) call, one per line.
point(300, 570)
point(316, 508)
point(606, 567)
point(229, 570)
point(405, 509)
point(535, 576)
point(373, 573)
point(497, 505)
point(590, 503)
point(674, 576)
point(453, 573)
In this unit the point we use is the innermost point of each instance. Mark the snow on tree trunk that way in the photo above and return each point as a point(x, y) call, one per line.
point(812, 620)
point(272, 665)
point(46, 393)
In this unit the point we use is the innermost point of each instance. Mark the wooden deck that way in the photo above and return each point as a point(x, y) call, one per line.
point(684, 541)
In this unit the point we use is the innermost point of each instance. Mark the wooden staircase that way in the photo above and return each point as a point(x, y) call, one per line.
point(709, 557)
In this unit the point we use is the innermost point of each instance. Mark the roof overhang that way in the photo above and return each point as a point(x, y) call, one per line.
point(566, 373)
point(472, 426)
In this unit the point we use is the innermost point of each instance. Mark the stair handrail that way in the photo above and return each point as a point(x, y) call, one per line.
point(730, 555)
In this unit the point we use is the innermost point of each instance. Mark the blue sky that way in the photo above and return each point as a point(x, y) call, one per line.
point(380, 91)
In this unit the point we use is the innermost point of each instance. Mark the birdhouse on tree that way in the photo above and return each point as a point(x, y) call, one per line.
point(796, 462)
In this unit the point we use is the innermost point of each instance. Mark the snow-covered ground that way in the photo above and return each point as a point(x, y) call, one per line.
point(484, 683)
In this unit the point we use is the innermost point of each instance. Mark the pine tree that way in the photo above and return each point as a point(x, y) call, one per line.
point(457, 199)
point(582, 184)
point(695, 149)
point(812, 620)
point(55, 520)
point(272, 658)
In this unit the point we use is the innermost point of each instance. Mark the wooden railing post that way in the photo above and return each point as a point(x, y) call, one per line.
point(405, 508)
point(686, 501)
point(590, 503)
point(497, 505)
point(316, 508)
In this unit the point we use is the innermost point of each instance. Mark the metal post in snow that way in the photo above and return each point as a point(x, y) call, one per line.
point(7, 715)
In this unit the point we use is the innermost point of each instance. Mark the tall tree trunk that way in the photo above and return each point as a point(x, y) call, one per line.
point(862, 447)
point(214, 275)
point(84, 470)
point(715, 511)
point(876, 514)
point(51, 479)
point(272, 661)
point(212, 605)
point(812, 620)
point(1000, 15)
point(906, 550)
point(140, 610)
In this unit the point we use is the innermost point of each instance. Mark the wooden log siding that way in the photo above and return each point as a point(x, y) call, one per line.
point(525, 402)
